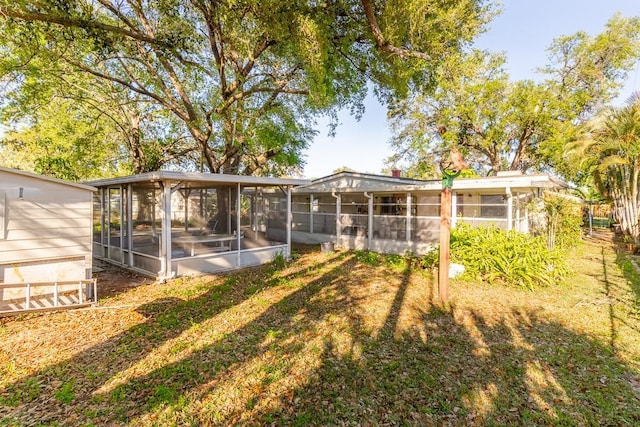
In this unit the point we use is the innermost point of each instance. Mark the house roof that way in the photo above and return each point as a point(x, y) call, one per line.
point(47, 178)
point(346, 182)
point(198, 177)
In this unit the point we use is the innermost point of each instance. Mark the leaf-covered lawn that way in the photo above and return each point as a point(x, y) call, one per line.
point(335, 339)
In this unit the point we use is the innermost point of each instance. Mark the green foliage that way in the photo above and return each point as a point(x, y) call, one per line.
point(569, 234)
point(65, 393)
point(609, 151)
point(279, 261)
point(367, 257)
point(509, 257)
point(399, 263)
point(431, 259)
point(59, 144)
point(563, 220)
point(242, 81)
point(499, 124)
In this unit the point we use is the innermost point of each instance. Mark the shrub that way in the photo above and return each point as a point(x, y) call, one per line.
point(510, 257)
point(367, 257)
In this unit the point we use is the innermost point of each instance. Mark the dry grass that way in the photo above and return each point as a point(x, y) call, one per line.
point(339, 339)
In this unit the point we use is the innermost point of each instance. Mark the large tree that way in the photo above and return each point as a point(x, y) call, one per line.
point(610, 151)
point(246, 78)
point(500, 124)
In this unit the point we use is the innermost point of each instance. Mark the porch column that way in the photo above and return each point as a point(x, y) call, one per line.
point(338, 212)
point(130, 223)
point(238, 221)
point(229, 211)
point(154, 232)
point(526, 217)
point(311, 214)
point(408, 224)
point(123, 214)
point(369, 219)
point(454, 208)
point(509, 209)
point(518, 225)
point(103, 213)
point(185, 196)
point(165, 235)
point(289, 215)
point(108, 221)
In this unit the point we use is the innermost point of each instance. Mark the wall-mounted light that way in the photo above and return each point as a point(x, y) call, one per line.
point(21, 193)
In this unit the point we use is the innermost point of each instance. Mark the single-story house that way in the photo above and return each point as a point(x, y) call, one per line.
point(45, 242)
point(169, 223)
point(392, 214)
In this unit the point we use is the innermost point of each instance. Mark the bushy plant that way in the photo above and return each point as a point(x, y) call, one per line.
point(569, 233)
point(510, 257)
point(367, 257)
point(430, 259)
point(564, 219)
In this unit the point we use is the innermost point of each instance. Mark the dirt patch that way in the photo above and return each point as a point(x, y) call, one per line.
point(114, 280)
point(601, 236)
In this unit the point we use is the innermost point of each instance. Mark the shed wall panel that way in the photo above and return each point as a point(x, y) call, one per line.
point(26, 245)
point(42, 223)
point(45, 220)
point(43, 253)
point(48, 233)
point(49, 210)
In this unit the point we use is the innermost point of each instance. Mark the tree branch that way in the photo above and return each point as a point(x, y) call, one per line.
point(79, 23)
point(380, 41)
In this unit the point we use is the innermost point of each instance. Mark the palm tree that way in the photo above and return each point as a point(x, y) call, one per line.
point(612, 148)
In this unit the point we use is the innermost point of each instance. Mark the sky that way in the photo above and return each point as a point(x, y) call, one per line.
point(524, 31)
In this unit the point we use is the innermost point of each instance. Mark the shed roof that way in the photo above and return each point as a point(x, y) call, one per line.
point(47, 178)
point(198, 177)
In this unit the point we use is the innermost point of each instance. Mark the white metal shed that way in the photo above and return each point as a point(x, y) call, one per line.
point(45, 240)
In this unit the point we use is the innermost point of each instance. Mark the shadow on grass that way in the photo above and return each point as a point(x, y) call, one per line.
point(313, 358)
point(632, 275)
point(37, 399)
point(522, 370)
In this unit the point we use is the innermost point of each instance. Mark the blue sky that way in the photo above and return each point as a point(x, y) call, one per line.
point(523, 31)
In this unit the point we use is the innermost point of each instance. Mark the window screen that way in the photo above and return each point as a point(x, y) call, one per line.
point(493, 206)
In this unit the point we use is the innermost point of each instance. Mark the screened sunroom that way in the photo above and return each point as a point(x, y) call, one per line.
point(175, 223)
point(391, 214)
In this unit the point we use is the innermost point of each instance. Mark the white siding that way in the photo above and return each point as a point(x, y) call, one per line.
point(51, 220)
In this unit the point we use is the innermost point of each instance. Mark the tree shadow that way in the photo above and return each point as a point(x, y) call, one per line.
point(465, 370)
point(36, 398)
point(632, 275)
point(351, 345)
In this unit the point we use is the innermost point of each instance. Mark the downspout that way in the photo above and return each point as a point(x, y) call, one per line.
point(369, 219)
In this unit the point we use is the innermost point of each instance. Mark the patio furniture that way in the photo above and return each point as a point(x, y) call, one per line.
point(207, 238)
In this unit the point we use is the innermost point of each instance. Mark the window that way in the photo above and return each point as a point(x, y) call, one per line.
point(493, 206)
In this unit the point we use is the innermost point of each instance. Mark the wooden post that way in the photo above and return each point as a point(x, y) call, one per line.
point(445, 232)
